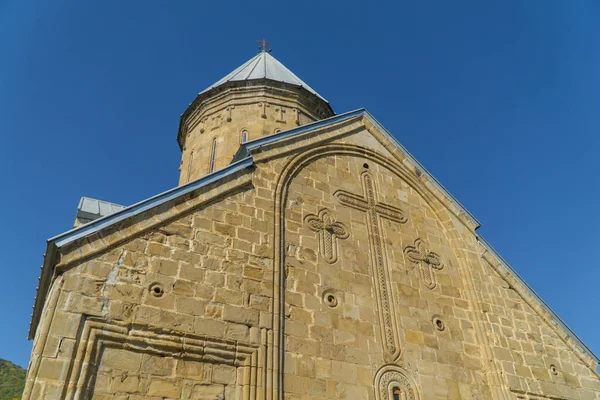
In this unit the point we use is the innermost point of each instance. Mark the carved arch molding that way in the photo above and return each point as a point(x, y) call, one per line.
point(390, 376)
point(392, 382)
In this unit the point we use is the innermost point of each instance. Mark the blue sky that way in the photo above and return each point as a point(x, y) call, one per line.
point(499, 100)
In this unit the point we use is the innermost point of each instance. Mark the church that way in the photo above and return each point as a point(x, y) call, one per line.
point(304, 255)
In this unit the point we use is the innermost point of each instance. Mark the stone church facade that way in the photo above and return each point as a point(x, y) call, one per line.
point(304, 255)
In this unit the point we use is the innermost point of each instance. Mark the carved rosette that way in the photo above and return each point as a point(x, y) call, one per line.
point(329, 230)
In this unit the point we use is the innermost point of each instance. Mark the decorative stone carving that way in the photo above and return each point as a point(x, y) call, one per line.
point(329, 231)
point(263, 108)
point(392, 382)
point(375, 209)
point(98, 335)
point(297, 116)
point(426, 259)
point(280, 114)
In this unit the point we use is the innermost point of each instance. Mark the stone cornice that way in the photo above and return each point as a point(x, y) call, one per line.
point(84, 241)
point(233, 92)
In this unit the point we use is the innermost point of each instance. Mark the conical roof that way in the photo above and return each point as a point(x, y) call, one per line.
point(263, 66)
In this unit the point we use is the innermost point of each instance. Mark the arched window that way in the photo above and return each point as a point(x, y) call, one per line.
point(213, 155)
point(243, 136)
point(393, 383)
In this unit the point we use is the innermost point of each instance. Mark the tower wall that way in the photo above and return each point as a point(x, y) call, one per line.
point(218, 122)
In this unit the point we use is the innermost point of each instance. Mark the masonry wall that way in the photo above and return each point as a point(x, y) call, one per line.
point(529, 348)
point(189, 300)
point(284, 272)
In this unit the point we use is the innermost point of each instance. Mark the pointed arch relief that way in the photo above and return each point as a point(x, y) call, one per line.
point(389, 335)
point(394, 383)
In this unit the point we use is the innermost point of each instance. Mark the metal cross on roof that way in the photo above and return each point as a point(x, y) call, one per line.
point(263, 45)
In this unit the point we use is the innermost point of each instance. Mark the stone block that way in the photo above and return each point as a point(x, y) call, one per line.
point(241, 315)
point(166, 388)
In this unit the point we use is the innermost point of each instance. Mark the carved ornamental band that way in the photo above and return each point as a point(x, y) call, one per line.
point(329, 231)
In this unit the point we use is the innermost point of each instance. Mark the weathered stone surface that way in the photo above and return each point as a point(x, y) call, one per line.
point(229, 289)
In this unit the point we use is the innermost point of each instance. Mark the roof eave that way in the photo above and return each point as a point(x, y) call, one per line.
point(44, 282)
point(57, 242)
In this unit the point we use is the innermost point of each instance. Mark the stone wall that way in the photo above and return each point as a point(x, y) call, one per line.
point(218, 123)
point(334, 270)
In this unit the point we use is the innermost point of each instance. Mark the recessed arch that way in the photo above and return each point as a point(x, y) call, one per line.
point(289, 172)
point(392, 382)
point(244, 136)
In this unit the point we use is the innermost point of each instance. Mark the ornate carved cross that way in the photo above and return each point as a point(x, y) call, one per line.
point(375, 209)
point(329, 231)
point(428, 260)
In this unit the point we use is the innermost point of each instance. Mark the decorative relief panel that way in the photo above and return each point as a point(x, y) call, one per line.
point(228, 110)
point(375, 210)
point(215, 121)
point(115, 357)
point(263, 109)
point(393, 383)
point(329, 230)
point(426, 259)
point(280, 114)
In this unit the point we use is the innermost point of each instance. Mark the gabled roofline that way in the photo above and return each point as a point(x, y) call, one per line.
point(246, 149)
point(536, 296)
point(56, 242)
point(144, 205)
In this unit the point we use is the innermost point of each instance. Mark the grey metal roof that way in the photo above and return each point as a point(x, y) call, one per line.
point(263, 66)
point(90, 209)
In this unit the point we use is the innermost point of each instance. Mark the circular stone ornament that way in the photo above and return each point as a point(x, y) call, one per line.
point(330, 299)
point(156, 290)
point(438, 323)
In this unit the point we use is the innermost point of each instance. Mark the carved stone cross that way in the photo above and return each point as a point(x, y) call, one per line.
point(216, 121)
point(428, 260)
point(329, 231)
point(280, 114)
point(264, 107)
point(375, 209)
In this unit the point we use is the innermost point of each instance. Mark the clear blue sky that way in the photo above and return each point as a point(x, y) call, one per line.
point(499, 100)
